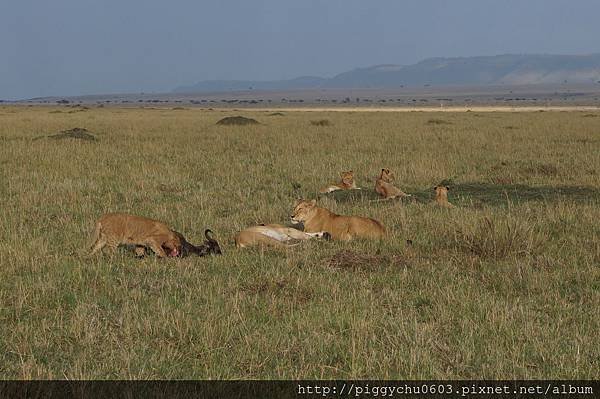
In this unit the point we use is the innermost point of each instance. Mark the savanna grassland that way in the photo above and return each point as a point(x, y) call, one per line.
point(505, 285)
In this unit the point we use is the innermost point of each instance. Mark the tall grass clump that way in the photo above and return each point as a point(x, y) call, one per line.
point(500, 238)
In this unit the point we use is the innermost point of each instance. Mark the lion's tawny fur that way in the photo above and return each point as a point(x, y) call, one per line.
point(114, 229)
point(340, 227)
point(384, 186)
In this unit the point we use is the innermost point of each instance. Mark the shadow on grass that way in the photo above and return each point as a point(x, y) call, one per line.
point(364, 194)
point(501, 194)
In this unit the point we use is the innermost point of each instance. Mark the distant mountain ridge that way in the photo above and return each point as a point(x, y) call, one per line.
point(509, 69)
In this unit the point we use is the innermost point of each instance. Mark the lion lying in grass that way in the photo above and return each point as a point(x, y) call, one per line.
point(347, 183)
point(317, 219)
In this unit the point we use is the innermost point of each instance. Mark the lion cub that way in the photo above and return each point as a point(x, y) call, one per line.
point(114, 229)
point(317, 219)
point(441, 197)
point(384, 186)
point(347, 183)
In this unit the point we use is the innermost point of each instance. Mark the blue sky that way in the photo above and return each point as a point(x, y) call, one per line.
point(71, 47)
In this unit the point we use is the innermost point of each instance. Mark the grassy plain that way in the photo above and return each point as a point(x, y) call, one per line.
point(506, 285)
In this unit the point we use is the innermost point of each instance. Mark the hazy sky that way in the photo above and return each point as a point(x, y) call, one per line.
point(70, 47)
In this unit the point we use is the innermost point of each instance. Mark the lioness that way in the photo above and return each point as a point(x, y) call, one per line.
point(275, 235)
point(384, 186)
point(347, 183)
point(340, 227)
point(441, 196)
point(114, 229)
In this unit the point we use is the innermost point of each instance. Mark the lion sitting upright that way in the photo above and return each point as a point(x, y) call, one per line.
point(441, 196)
point(384, 186)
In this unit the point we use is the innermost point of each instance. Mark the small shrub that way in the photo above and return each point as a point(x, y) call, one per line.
point(237, 120)
point(438, 122)
point(77, 133)
point(321, 122)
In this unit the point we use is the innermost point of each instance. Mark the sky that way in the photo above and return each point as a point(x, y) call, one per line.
point(77, 47)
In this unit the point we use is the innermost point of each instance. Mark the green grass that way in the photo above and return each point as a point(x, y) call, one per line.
point(505, 285)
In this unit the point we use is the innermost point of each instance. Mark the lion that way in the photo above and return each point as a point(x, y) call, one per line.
point(114, 229)
point(347, 183)
point(340, 227)
point(384, 186)
point(441, 197)
point(274, 235)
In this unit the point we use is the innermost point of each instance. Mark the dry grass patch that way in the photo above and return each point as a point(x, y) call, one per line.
point(280, 288)
point(471, 298)
point(351, 260)
point(543, 169)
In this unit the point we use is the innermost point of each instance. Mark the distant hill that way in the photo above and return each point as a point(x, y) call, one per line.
point(506, 69)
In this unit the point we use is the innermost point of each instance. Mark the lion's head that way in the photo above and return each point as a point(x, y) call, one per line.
point(172, 245)
point(387, 176)
point(348, 177)
point(441, 191)
point(303, 211)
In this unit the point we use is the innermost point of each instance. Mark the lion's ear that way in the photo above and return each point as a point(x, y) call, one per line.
point(447, 188)
point(313, 202)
